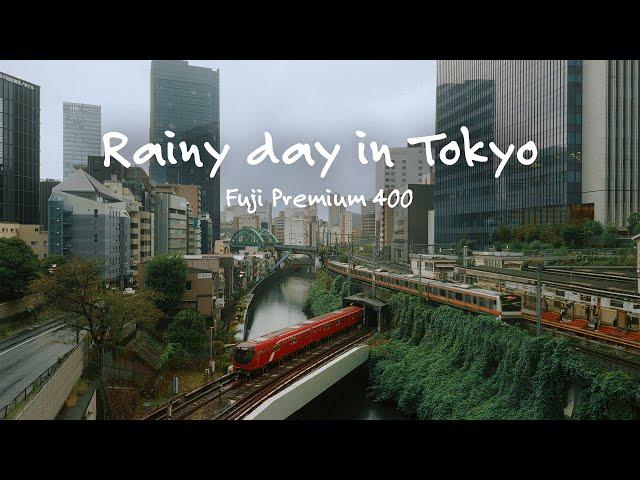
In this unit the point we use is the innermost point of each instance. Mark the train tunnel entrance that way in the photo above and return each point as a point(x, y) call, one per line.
point(375, 310)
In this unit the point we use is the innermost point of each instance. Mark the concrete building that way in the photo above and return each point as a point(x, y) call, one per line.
point(611, 139)
point(295, 231)
point(246, 220)
point(90, 220)
point(278, 227)
point(264, 213)
point(19, 151)
point(142, 226)
point(194, 234)
point(81, 135)
point(368, 215)
point(410, 166)
point(33, 235)
point(170, 224)
point(335, 215)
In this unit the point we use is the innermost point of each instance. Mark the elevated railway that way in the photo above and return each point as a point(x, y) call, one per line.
point(233, 396)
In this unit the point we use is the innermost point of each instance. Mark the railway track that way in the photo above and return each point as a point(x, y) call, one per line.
point(240, 408)
point(183, 405)
point(626, 345)
point(232, 396)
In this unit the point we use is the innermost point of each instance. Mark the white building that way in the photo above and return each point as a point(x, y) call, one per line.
point(610, 139)
point(81, 135)
point(294, 231)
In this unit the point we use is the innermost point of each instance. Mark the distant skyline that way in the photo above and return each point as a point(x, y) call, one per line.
point(296, 101)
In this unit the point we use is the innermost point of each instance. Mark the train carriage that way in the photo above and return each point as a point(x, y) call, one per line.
point(467, 297)
point(263, 351)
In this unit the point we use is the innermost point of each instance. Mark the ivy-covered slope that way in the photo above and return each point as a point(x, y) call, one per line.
point(444, 363)
point(326, 293)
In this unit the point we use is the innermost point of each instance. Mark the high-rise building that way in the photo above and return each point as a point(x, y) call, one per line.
point(46, 187)
point(294, 231)
point(410, 166)
point(368, 214)
point(142, 226)
point(89, 220)
point(81, 135)
point(278, 226)
point(185, 100)
point(19, 150)
point(264, 213)
point(170, 224)
point(611, 139)
point(509, 102)
point(335, 215)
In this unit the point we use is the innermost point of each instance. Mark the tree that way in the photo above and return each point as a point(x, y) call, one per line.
point(166, 275)
point(572, 235)
point(18, 266)
point(187, 334)
point(633, 223)
point(75, 287)
point(610, 237)
point(592, 229)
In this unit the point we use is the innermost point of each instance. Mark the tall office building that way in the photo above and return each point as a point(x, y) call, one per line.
point(611, 138)
point(81, 135)
point(19, 150)
point(509, 102)
point(185, 100)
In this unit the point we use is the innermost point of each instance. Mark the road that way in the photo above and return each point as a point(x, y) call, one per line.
point(22, 362)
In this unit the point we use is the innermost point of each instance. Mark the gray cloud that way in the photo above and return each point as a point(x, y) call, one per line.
point(296, 101)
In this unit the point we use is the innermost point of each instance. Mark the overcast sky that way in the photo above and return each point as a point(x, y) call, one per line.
point(296, 101)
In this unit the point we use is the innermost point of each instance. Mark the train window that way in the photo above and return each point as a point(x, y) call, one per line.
point(560, 293)
point(617, 304)
point(276, 347)
point(294, 340)
point(636, 306)
point(443, 292)
point(458, 296)
point(510, 303)
point(585, 298)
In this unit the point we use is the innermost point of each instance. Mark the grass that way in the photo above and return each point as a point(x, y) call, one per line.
point(78, 390)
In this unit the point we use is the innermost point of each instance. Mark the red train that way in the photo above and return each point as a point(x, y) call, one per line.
point(260, 352)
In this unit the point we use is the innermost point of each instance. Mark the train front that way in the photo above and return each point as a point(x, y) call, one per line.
point(244, 357)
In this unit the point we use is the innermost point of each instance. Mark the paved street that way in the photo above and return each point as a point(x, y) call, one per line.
point(23, 362)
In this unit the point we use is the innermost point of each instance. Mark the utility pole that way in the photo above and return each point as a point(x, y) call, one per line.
point(211, 349)
point(538, 301)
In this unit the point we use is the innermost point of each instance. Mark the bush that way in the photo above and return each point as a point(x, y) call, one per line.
point(166, 275)
point(187, 329)
point(443, 363)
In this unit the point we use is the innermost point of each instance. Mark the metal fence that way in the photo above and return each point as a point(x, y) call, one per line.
point(35, 385)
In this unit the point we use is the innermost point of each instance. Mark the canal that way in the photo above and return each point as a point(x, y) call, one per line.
point(281, 305)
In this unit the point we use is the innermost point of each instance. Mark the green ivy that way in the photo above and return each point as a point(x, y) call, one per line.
point(325, 294)
point(443, 363)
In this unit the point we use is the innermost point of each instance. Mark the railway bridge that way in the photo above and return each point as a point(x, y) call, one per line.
point(276, 393)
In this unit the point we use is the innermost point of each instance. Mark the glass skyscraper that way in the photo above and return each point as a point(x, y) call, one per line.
point(185, 100)
point(81, 135)
point(19, 150)
point(508, 102)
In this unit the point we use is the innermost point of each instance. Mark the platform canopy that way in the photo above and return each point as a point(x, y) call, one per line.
point(359, 298)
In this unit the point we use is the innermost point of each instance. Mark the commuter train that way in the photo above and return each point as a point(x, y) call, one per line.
point(467, 297)
point(260, 352)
